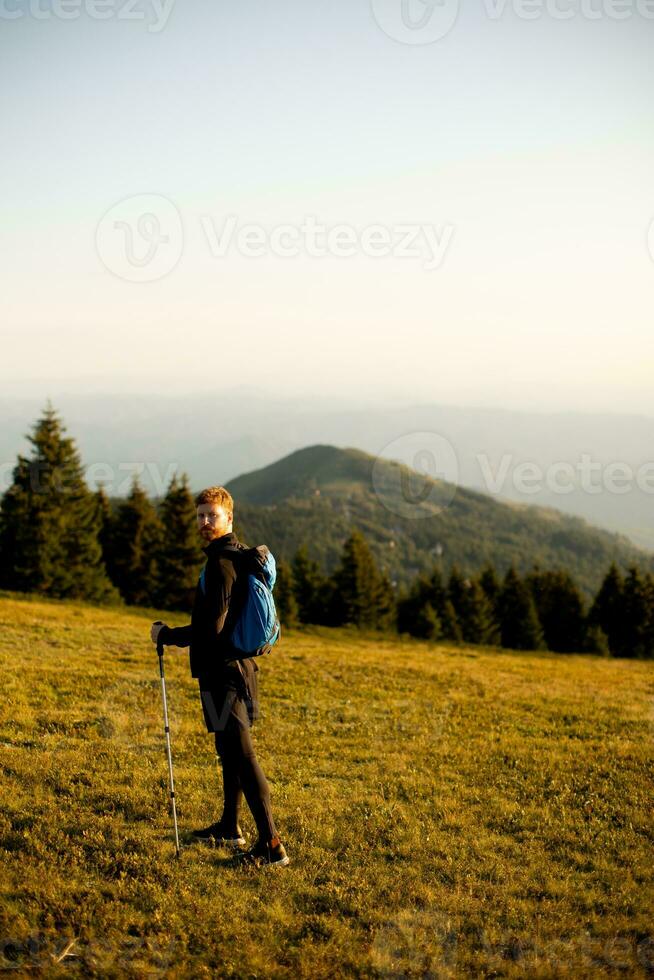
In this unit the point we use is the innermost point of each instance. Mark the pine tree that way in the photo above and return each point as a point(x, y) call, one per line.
point(426, 611)
point(519, 623)
point(637, 611)
point(180, 556)
point(474, 611)
point(451, 628)
point(492, 587)
point(410, 607)
point(595, 640)
point(560, 608)
point(284, 594)
point(427, 623)
point(362, 595)
point(648, 628)
point(607, 609)
point(48, 525)
point(311, 589)
point(104, 523)
point(136, 544)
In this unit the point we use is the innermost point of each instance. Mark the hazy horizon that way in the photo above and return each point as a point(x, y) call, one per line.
point(99, 387)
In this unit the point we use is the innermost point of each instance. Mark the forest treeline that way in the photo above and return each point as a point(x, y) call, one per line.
point(58, 538)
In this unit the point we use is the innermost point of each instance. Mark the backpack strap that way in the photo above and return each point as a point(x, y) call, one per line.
point(237, 599)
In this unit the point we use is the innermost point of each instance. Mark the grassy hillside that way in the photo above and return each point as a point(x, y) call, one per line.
point(318, 494)
point(448, 812)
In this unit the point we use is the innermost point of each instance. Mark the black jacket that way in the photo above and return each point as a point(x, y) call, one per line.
point(211, 656)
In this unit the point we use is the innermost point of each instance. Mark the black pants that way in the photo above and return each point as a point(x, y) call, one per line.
point(229, 716)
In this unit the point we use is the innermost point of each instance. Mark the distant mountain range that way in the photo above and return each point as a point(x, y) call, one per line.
point(316, 496)
point(524, 457)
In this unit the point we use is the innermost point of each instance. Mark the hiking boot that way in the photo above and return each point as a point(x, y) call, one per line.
point(220, 835)
point(267, 853)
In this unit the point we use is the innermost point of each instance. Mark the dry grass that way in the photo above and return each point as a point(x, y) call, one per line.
point(448, 812)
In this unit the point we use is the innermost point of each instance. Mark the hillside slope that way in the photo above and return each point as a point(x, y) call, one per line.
point(450, 813)
point(318, 494)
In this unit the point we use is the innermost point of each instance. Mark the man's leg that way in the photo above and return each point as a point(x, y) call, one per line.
point(234, 745)
point(232, 790)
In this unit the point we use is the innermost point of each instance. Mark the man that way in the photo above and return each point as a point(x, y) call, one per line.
point(228, 687)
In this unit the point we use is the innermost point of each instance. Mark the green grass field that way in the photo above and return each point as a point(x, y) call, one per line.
point(448, 811)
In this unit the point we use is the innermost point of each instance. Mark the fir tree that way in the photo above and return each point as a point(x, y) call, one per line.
point(48, 525)
point(492, 587)
point(427, 623)
point(135, 548)
point(426, 607)
point(104, 523)
point(474, 611)
point(284, 594)
point(636, 635)
point(362, 595)
point(180, 557)
point(519, 623)
point(560, 610)
point(595, 640)
point(607, 610)
point(310, 587)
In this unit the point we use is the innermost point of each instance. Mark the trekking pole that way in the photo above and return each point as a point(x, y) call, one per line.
point(160, 654)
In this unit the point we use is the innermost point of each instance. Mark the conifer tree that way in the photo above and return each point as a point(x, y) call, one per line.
point(607, 610)
point(638, 612)
point(135, 548)
point(362, 595)
point(560, 608)
point(450, 626)
point(491, 585)
point(426, 610)
point(284, 594)
point(595, 640)
point(311, 589)
point(648, 628)
point(180, 556)
point(409, 609)
point(104, 523)
point(474, 611)
point(427, 623)
point(519, 623)
point(48, 526)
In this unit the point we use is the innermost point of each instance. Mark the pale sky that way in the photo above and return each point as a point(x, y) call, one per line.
point(524, 146)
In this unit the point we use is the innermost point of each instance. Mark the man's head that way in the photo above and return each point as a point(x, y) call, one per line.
point(215, 512)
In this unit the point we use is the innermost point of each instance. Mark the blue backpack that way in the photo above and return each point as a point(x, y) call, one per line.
point(257, 627)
